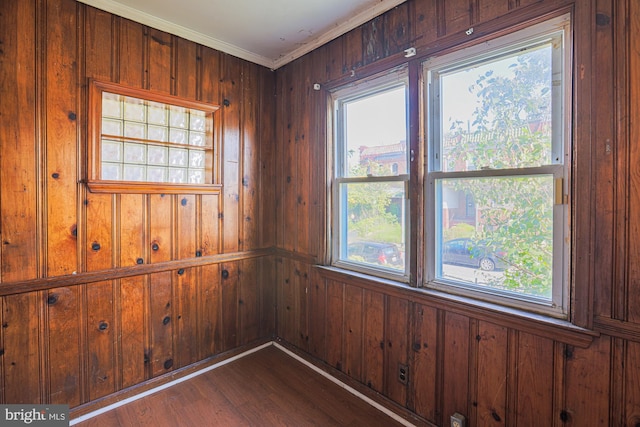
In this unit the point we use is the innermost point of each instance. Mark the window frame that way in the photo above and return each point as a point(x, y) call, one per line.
point(94, 181)
point(561, 170)
point(340, 96)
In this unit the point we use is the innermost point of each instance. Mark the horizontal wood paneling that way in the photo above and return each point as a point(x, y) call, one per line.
point(85, 318)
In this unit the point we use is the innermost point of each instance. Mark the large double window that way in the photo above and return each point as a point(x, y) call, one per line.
point(496, 120)
point(371, 173)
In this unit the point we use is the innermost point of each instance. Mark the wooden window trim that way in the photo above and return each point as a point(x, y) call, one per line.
point(98, 185)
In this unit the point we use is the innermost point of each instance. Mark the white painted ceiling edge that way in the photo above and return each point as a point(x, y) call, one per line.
point(340, 26)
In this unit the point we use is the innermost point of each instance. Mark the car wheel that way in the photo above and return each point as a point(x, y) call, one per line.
point(487, 264)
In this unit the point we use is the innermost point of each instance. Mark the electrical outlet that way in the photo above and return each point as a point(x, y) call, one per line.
point(458, 420)
point(403, 373)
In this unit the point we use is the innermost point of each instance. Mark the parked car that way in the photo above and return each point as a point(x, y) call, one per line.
point(472, 253)
point(375, 253)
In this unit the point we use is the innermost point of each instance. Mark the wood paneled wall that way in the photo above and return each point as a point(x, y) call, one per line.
point(496, 368)
point(88, 307)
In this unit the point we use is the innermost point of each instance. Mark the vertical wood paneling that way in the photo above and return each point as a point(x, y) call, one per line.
point(99, 244)
point(186, 316)
point(352, 50)
point(21, 349)
point(229, 299)
point(397, 336)
point(353, 331)
point(210, 338)
point(457, 16)
point(302, 157)
point(160, 73)
point(266, 206)
point(18, 162)
point(373, 38)
point(302, 307)
point(61, 136)
point(132, 231)
point(132, 45)
point(161, 222)
point(335, 330)
point(424, 26)
point(231, 89)
point(186, 226)
point(250, 191)
point(100, 340)
point(373, 335)
point(251, 287)
point(491, 9)
point(587, 371)
point(396, 29)
point(535, 380)
point(63, 345)
point(455, 365)
point(133, 307)
point(162, 319)
point(317, 315)
point(492, 381)
point(287, 233)
point(632, 379)
point(424, 385)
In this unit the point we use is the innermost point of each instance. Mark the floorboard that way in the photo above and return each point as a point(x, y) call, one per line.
point(265, 388)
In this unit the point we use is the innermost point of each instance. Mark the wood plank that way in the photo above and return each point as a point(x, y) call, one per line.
point(492, 362)
point(63, 345)
point(132, 45)
point(231, 113)
point(161, 227)
point(491, 9)
point(373, 40)
point(586, 383)
point(267, 222)
point(18, 163)
point(61, 131)
point(424, 25)
point(132, 230)
point(250, 190)
point(396, 352)
point(353, 332)
point(229, 306)
point(186, 316)
point(20, 343)
point(317, 315)
point(455, 365)
point(101, 337)
point(374, 339)
point(161, 348)
point(396, 29)
point(632, 379)
point(99, 248)
point(210, 299)
point(335, 324)
point(535, 381)
point(423, 387)
point(186, 226)
point(133, 310)
point(185, 65)
point(250, 290)
point(457, 16)
point(160, 46)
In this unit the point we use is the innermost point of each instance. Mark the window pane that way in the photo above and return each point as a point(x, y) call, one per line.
point(373, 224)
point(376, 134)
point(497, 114)
point(496, 232)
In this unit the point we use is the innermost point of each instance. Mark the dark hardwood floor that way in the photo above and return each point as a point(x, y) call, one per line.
point(266, 388)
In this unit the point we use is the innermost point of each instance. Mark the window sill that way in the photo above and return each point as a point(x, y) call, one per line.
point(129, 187)
point(556, 329)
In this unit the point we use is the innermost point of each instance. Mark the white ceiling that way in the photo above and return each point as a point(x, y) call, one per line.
point(266, 32)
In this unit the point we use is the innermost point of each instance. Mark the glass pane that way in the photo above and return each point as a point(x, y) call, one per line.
point(376, 134)
point(134, 109)
point(496, 233)
point(135, 130)
point(197, 122)
point(134, 173)
point(179, 136)
point(111, 151)
point(111, 127)
point(178, 117)
point(112, 171)
point(156, 174)
point(196, 138)
point(196, 158)
point(373, 224)
point(135, 153)
point(157, 114)
point(111, 105)
point(178, 176)
point(157, 155)
point(196, 176)
point(158, 133)
point(497, 114)
point(178, 157)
